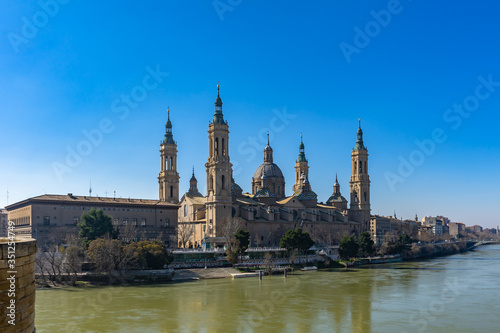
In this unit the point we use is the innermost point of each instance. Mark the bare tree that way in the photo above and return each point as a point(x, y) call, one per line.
point(268, 262)
point(184, 233)
point(322, 234)
point(278, 233)
point(42, 266)
point(228, 227)
point(106, 254)
point(55, 261)
point(127, 233)
point(74, 254)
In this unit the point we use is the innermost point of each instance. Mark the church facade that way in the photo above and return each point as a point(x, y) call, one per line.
point(267, 213)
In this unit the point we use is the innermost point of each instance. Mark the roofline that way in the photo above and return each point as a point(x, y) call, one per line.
point(109, 201)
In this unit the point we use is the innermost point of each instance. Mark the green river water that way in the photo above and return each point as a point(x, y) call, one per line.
point(459, 293)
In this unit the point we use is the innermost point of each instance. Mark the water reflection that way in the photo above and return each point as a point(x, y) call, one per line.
point(453, 294)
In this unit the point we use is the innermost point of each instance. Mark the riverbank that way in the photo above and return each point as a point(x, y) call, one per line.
point(418, 252)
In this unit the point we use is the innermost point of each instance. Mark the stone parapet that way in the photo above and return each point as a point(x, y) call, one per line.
point(17, 285)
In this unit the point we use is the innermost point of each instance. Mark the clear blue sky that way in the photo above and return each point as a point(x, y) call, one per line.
point(402, 75)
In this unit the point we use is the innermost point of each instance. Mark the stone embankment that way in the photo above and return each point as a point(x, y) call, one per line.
point(17, 285)
point(439, 249)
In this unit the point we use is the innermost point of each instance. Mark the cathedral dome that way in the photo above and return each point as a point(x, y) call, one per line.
point(269, 169)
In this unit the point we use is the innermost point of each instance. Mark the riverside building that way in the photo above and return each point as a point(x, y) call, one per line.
point(268, 212)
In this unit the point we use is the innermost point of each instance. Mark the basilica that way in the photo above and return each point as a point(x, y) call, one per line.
point(267, 213)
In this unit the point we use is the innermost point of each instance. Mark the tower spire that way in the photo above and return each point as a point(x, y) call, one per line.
point(359, 142)
point(336, 187)
point(268, 151)
point(218, 116)
point(168, 178)
point(169, 138)
point(302, 154)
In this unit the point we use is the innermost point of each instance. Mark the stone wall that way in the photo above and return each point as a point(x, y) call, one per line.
point(17, 286)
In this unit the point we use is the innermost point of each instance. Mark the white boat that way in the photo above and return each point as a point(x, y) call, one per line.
point(309, 268)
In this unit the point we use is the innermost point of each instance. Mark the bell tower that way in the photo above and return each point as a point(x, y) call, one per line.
point(219, 170)
point(360, 184)
point(301, 167)
point(168, 179)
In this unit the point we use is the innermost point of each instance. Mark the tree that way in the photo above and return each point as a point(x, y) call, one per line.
point(304, 241)
point(366, 244)
point(184, 233)
point(394, 244)
point(296, 239)
point(228, 227)
point(127, 233)
point(348, 247)
point(242, 241)
point(151, 254)
point(74, 255)
point(106, 254)
point(95, 224)
point(289, 241)
point(231, 256)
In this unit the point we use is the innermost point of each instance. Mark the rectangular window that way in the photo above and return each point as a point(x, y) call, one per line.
point(75, 220)
point(46, 220)
point(125, 221)
point(167, 222)
point(134, 221)
point(143, 222)
point(116, 221)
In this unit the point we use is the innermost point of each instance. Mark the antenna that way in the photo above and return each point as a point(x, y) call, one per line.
point(114, 194)
point(90, 188)
point(7, 197)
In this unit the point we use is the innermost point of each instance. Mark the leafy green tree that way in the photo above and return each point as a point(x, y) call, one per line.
point(289, 241)
point(95, 224)
point(296, 240)
point(242, 241)
point(152, 254)
point(348, 247)
point(366, 244)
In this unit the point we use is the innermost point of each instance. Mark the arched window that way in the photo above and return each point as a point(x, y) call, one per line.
point(364, 195)
point(216, 146)
point(222, 181)
point(223, 147)
point(211, 183)
point(171, 191)
point(360, 166)
point(185, 210)
point(171, 163)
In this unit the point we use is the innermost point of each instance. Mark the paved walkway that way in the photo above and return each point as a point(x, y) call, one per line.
point(201, 273)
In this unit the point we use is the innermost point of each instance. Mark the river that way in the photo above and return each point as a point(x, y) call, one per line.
point(458, 293)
